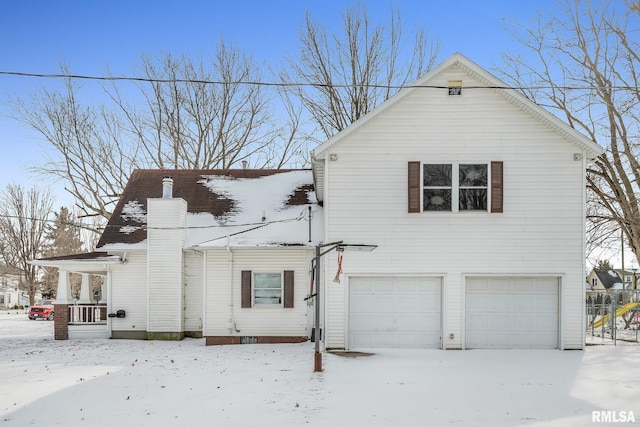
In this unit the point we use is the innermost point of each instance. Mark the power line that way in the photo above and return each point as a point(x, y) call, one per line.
point(293, 84)
point(143, 226)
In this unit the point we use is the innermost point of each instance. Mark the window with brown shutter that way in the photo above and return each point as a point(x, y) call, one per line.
point(497, 192)
point(288, 289)
point(414, 187)
point(455, 187)
point(246, 289)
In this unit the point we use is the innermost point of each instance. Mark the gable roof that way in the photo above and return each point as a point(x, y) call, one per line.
point(486, 79)
point(220, 203)
point(609, 279)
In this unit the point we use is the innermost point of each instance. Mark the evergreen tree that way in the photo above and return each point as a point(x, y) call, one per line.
point(604, 264)
point(62, 238)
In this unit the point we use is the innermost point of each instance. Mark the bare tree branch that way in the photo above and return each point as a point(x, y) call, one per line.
point(350, 73)
point(23, 216)
point(587, 58)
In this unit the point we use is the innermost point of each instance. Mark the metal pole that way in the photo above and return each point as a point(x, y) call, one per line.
point(310, 225)
point(622, 254)
point(317, 357)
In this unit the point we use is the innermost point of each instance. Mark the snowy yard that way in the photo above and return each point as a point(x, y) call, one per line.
point(155, 383)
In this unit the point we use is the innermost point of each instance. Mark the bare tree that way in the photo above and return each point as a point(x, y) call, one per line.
point(23, 216)
point(185, 114)
point(346, 75)
point(584, 64)
point(93, 160)
point(201, 115)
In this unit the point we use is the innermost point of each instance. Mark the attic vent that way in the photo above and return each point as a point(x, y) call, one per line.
point(455, 87)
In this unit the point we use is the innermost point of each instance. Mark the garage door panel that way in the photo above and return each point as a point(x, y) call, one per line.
point(394, 312)
point(369, 303)
point(547, 321)
point(478, 302)
point(511, 313)
point(525, 304)
point(382, 323)
point(416, 303)
point(416, 322)
point(499, 322)
point(522, 321)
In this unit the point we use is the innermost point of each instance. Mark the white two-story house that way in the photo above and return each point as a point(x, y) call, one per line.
point(475, 197)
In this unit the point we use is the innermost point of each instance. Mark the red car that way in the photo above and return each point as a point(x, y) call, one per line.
point(44, 310)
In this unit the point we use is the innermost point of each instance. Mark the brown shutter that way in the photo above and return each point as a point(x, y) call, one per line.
point(497, 193)
point(246, 290)
point(288, 289)
point(414, 187)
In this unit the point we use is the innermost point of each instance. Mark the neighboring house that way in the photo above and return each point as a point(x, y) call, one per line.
point(603, 280)
point(10, 293)
point(475, 197)
point(205, 253)
point(473, 194)
point(630, 278)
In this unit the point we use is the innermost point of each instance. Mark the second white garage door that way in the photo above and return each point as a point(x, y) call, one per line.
point(394, 312)
point(511, 312)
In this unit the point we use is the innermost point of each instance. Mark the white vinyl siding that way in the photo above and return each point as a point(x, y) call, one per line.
point(165, 242)
point(224, 297)
point(539, 232)
point(394, 312)
point(511, 312)
point(129, 293)
point(193, 291)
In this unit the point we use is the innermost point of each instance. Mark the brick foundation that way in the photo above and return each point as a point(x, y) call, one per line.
point(61, 322)
point(226, 340)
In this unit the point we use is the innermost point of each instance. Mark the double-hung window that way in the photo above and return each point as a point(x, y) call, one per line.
point(473, 184)
point(438, 186)
point(267, 289)
point(455, 187)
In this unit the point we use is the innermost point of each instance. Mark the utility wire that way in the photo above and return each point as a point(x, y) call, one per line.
point(292, 84)
point(142, 226)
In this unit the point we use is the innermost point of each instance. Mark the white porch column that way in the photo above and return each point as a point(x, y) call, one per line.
point(63, 295)
point(103, 291)
point(85, 290)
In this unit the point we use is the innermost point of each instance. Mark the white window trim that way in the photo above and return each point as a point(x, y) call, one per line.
point(253, 289)
point(455, 187)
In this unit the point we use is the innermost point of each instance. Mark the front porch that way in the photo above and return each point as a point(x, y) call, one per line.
point(83, 314)
point(87, 322)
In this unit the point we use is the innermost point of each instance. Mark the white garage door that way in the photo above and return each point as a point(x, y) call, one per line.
point(394, 312)
point(511, 313)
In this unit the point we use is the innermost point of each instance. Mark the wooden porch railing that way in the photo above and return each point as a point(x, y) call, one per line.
point(87, 314)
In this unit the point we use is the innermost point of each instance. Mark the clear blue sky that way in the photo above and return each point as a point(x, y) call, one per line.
point(90, 36)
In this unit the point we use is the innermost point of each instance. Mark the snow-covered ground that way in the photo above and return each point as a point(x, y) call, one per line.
point(156, 383)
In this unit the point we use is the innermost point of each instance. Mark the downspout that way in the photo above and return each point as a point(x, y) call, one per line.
point(109, 301)
point(584, 262)
point(204, 293)
point(232, 324)
point(321, 288)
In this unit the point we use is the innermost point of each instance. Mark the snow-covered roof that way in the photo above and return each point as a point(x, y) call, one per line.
point(247, 208)
point(609, 279)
